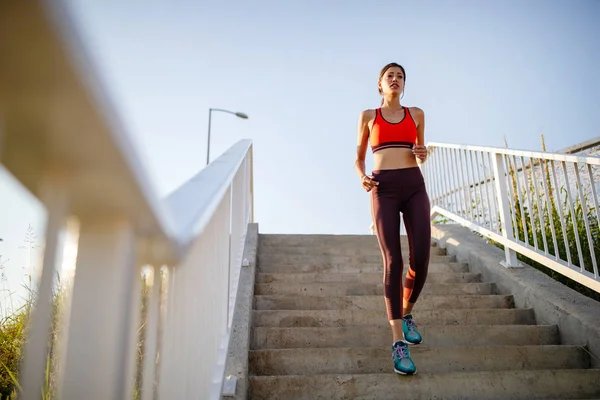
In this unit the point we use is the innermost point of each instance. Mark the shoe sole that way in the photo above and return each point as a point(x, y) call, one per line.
point(404, 373)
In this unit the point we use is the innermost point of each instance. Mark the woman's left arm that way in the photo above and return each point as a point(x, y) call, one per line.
point(420, 151)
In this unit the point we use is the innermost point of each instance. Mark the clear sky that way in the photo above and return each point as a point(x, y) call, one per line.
point(481, 70)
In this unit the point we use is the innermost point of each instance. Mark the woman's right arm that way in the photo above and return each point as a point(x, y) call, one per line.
point(361, 148)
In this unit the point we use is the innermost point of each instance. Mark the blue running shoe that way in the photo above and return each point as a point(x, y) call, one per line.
point(401, 355)
point(409, 329)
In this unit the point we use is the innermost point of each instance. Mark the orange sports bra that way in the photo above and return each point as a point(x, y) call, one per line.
point(385, 135)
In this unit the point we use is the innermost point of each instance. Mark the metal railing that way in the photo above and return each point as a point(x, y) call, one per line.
point(60, 137)
point(541, 205)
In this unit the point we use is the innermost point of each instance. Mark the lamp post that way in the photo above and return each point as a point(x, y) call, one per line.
point(210, 110)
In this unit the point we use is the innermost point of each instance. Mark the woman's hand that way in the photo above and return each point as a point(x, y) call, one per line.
point(420, 152)
point(368, 182)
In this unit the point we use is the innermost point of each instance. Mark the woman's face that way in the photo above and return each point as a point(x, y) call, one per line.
point(392, 81)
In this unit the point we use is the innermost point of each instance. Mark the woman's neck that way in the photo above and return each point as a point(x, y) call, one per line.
point(392, 102)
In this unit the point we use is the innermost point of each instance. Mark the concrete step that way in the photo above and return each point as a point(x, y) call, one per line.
point(476, 385)
point(428, 302)
point(339, 318)
point(326, 259)
point(370, 250)
point(320, 240)
point(371, 278)
point(357, 289)
point(352, 267)
point(366, 360)
point(380, 336)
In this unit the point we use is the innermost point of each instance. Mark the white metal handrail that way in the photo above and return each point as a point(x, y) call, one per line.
point(61, 138)
point(542, 205)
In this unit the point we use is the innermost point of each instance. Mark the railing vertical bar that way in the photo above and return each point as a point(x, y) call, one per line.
point(511, 172)
point(549, 204)
point(445, 181)
point(463, 183)
point(187, 317)
point(487, 186)
point(496, 214)
point(453, 167)
point(475, 185)
point(460, 172)
point(151, 339)
point(573, 217)
point(130, 335)
point(528, 181)
point(470, 174)
point(437, 181)
point(540, 212)
point(432, 187)
point(441, 178)
point(520, 199)
point(450, 180)
point(231, 233)
point(477, 188)
point(453, 181)
point(488, 214)
point(170, 381)
point(102, 297)
point(586, 222)
point(34, 363)
point(447, 184)
point(561, 214)
point(192, 310)
point(234, 242)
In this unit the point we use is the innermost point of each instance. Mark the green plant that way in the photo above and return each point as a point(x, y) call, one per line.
point(11, 344)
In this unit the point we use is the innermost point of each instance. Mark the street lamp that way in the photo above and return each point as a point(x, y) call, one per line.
point(210, 110)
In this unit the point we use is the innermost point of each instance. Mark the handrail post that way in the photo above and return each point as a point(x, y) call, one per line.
point(504, 210)
point(104, 312)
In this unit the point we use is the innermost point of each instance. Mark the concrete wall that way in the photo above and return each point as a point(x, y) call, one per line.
point(577, 316)
point(239, 342)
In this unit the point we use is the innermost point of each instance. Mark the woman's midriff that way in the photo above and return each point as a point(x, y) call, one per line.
point(394, 158)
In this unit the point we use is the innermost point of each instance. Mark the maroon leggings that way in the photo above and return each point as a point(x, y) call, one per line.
point(402, 191)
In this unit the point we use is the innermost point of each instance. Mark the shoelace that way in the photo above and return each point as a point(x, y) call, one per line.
point(400, 352)
point(411, 325)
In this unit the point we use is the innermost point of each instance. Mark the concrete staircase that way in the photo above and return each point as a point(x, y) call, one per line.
point(320, 331)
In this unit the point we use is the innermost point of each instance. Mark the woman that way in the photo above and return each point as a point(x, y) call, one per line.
point(396, 136)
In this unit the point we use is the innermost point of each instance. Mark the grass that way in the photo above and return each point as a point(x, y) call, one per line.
point(13, 337)
point(11, 344)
